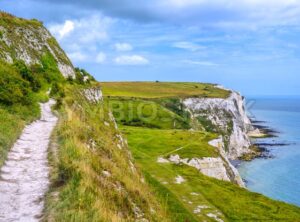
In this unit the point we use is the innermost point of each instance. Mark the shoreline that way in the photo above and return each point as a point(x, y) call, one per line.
point(260, 148)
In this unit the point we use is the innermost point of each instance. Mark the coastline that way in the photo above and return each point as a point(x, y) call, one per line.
point(274, 172)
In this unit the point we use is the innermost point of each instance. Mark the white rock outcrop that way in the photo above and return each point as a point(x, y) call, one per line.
point(93, 95)
point(30, 43)
point(209, 166)
point(230, 169)
point(229, 116)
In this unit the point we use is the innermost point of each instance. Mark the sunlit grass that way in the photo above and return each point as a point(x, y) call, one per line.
point(87, 148)
point(161, 90)
point(232, 202)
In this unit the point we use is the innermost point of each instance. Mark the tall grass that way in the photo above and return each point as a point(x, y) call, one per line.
point(95, 178)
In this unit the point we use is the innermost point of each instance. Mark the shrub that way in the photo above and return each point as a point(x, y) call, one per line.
point(51, 71)
point(27, 74)
point(57, 90)
point(13, 89)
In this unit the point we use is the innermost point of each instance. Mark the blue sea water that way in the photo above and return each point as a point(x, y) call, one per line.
point(278, 177)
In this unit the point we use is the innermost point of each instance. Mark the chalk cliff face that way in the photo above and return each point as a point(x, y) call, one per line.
point(217, 167)
point(29, 40)
point(226, 117)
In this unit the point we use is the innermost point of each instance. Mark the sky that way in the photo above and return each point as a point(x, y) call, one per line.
point(251, 46)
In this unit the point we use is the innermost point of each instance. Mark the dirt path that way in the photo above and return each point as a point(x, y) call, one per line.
point(24, 176)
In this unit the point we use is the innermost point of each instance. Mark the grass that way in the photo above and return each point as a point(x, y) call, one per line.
point(13, 119)
point(10, 129)
point(152, 90)
point(163, 143)
point(138, 112)
point(86, 148)
point(229, 201)
point(155, 138)
point(18, 105)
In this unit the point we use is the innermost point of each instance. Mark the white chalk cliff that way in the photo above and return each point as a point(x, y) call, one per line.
point(28, 41)
point(229, 117)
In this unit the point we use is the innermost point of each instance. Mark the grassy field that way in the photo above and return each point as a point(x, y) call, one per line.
point(163, 143)
point(198, 198)
point(161, 90)
point(138, 112)
point(226, 200)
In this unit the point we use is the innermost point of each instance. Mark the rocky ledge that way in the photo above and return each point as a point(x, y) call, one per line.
point(226, 117)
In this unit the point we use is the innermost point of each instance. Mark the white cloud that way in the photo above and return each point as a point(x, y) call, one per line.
point(131, 60)
point(200, 63)
point(86, 30)
point(207, 13)
point(101, 57)
point(82, 38)
point(123, 47)
point(93, 29)
point(188, 46)
point(62, 30)
point(77, 56)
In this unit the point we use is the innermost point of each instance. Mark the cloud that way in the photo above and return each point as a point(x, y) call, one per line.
point(77, 56)
point(200, 63)
point(101, 57)
point(224, 13)
point(83, 38)
point(62, 30)
point(131, 60)
point(188, 46)
point(85, 30)
point(123, 47)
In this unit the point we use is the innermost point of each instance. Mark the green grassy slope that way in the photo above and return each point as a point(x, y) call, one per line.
point(139, 112)
point(231, 202)
point(161, 90)
point(22, 86)
point(88, 146)
point(157, 138)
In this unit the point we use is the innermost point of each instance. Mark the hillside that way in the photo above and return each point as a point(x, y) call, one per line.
point(92, 172)
point(160, 133)
point(28, 70)
point(121, 151)
point(29, 41)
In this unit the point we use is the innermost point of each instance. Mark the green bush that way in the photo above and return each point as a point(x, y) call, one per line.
point(13, 89)
point(80, 75)
point(51, 71)
point(57, 90)
point(31, 75)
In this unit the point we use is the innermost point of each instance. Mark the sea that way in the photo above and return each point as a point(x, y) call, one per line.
point(277, 177)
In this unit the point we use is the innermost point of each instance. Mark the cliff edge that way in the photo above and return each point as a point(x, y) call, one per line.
point(226, 117)
point(29, 41)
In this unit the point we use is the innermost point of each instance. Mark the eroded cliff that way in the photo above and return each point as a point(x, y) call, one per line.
point(226, 117)
point(29, 41)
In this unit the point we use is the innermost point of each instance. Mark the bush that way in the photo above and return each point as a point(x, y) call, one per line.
point(13, 89)
point(81, 74)
point(29, 75)
point(57, 90)
point(51, 71)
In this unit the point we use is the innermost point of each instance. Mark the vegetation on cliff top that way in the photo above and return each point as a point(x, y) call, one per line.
point(150, 136)
point(152, 90)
